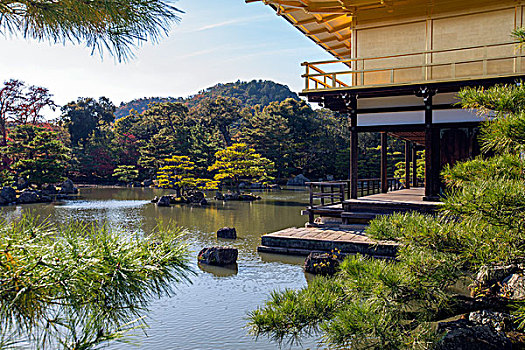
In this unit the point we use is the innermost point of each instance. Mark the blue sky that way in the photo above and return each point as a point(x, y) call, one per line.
point(216, 41)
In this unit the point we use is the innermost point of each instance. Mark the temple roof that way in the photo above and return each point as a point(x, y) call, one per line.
point(329, 22)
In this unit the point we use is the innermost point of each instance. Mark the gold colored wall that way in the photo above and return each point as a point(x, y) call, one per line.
point(439, 32)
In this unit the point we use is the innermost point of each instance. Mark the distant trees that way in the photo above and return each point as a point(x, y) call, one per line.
point(37, 154)
point(21, 104)
point(125, 173)
point(178, 173)
point(250, 94)
point(240, 162)
point(289, 133)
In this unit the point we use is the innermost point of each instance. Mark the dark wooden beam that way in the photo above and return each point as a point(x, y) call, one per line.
point(432, 136)
point(354, 137)
point(384, 162)
point(414, 166)
point(405, 109)
point(408, 146)
point(413, 127)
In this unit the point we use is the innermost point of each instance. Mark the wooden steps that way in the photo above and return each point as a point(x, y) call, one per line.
point(357, 217)
point(388, 207)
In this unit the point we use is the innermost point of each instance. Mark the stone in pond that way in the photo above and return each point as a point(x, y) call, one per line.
point(227, 232)
point(218, 256)
point(68, 187)
point(164, 201)
point(7, 195)
point(514, 287)
point(468, 335)
point(325, 264)
point(49, 190)
point(22, 183)
point(28, 197)
point(299, 180)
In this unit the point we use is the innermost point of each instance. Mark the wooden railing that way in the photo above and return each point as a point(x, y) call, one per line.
point(330, 191)
point(367, 187)
point(336, 192)
point(353, 72)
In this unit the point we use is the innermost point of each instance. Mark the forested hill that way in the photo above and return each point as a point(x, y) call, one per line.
point(255, 92)
point(141, 104)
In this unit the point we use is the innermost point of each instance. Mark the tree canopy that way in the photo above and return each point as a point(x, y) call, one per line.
point(240, 162)
point(37, 154)
point(250, 94)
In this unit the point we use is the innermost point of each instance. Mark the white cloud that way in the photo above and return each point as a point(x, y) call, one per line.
point(231, 22)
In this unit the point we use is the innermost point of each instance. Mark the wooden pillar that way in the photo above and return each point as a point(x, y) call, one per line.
point(352, 106)
point(432, 166)
point(408, 146)
point(414, 166)
point(384, 162)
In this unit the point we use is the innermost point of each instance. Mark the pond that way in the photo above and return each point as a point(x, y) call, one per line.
point(211, 312)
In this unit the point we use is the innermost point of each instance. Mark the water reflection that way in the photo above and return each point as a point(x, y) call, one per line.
point(220, 271)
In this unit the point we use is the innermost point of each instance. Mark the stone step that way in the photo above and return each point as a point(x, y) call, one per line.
point(357, 244)
point(358, 217)
point(306, 252)
point(385, 207)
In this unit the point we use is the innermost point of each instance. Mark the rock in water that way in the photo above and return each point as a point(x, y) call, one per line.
point(227, 232)
point(218, 256)
point(498, 320)
point(325, 264)
point(299, 180)
point(514, 287)
point(7, 195)
point(28, 197)
point(22, 183)
point(68, 187)
point(49, 190)
point(467, 335)
point(248, 197)
point(164, 201)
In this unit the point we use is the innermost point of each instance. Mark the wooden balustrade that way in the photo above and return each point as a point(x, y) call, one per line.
point(331, 191)
point(327, 193)
point(347, 75)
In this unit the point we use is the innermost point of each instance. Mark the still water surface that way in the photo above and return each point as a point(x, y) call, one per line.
point(211, 312)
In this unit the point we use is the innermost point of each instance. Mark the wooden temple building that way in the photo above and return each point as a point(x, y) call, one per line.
point(397, 67)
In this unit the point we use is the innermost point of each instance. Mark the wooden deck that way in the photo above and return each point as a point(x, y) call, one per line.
point(302, 241)
point(349, 236)
point(410, 196)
